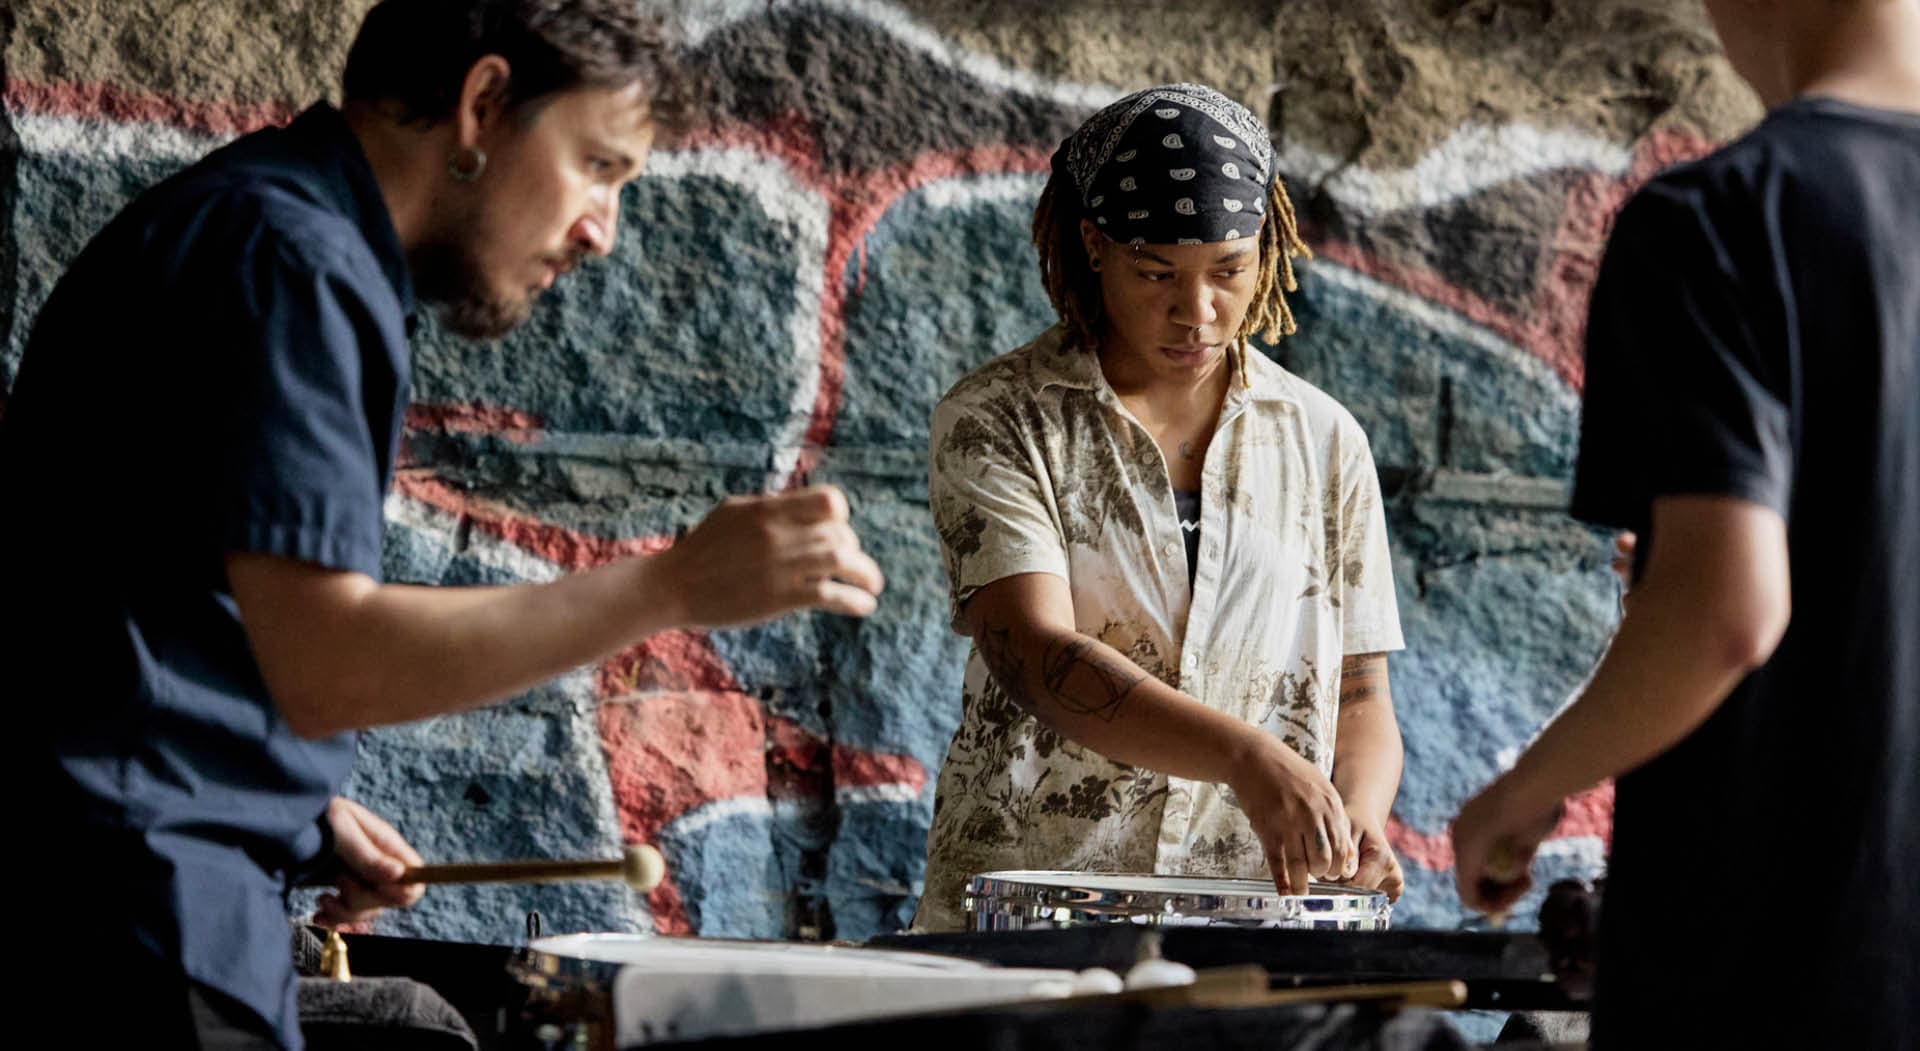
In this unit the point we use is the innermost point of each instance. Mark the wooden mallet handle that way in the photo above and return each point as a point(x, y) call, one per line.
point(641, 868)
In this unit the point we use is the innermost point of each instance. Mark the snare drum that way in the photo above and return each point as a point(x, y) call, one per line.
point(639, 988)
point(1025, 900)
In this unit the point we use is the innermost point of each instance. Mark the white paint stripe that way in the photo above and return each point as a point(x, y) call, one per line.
point(1446, 322)
point(577, 686)
point(94, 140)
point(804, 213)
point(515, 562)
point(963, 191)
point(1587, 851)
point(413, 514)
point(1471, 159)
point(701, 18)
point(893, 794)
point(695, 821)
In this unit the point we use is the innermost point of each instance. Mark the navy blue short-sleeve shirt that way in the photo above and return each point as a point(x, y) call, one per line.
point(1755, 334)
point(224, 368)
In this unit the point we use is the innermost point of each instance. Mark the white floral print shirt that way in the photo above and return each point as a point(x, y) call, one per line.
point(1037, 468)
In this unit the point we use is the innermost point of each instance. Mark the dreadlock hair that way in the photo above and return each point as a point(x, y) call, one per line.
point(1074, 288)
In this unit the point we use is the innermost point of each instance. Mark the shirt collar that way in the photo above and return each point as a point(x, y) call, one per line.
point(1058, 365)
point(346, 178)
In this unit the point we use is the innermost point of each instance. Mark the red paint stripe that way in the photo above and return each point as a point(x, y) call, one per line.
point(1588, 814)
point(1431, 852)
point(815, 768)
point(671, 660)
point(675, 752)
point(668, 909)
point(475, 418)
point(111, 102)
point(1429, 285)
point(565, 548)
point(857, 769)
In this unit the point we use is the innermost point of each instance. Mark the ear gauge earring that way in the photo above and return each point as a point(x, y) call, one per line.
point(1093, 263)
point(466, 165)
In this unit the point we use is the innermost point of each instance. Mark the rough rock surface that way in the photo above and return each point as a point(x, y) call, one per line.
point(800, 281)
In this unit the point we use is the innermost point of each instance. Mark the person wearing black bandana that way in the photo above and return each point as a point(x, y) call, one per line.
point(1169, 552)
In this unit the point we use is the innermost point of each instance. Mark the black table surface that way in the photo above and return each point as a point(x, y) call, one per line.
point(1505, 971)
point(1502, 971)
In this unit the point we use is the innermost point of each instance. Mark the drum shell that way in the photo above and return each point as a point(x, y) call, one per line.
point(1030, 900)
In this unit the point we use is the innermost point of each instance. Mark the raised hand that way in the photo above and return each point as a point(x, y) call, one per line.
point(754, 558)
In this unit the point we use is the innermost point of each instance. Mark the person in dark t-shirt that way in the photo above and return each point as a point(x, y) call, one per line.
point(1753, 413)
point(194, 458)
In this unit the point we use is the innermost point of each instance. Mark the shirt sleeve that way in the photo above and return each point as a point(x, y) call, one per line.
point(995, 517)
point(303, 474)
point(1363, 565)
point(1680, 397)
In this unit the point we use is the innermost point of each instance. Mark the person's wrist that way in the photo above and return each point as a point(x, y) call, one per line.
point(1250, 750)
point(1366, 814)
point(654, 593)
point(1517, 796)
point(1368, 808)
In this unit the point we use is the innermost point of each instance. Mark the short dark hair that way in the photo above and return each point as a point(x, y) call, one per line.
point(416, 53)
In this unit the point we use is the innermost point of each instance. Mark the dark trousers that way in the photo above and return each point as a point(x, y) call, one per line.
point(80, 994)
point(220, 1024)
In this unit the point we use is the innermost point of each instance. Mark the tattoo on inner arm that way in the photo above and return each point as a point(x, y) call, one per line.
point(1076, 673)
point(1085, 681)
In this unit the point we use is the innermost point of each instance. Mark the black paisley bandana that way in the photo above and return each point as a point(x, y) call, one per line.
point(1176, 164)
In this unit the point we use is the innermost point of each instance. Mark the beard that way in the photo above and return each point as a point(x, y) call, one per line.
point(448, 275)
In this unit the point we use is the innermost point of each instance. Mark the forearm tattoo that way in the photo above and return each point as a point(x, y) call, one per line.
point(1077, 675)
point(1362, 679)
point(1086, 681)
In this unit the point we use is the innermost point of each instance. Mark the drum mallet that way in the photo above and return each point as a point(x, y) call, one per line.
point(641, 867)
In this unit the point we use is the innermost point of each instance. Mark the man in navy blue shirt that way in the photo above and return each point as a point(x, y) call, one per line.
point(227, 360)
point(1753, 413)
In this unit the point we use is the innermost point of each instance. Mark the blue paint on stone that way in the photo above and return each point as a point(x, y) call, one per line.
point(665, 375)
point(780, 663)
point(414, 556)
point(878, 866)
point(896, 685)
point(679, 333)
point(896, 690)
point(504, 782)
point(1385, 365)
point(733, 885)
point(944, 290)
point(1496, 643)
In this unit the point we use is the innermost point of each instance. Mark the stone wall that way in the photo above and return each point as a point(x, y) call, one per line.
point(799, 281)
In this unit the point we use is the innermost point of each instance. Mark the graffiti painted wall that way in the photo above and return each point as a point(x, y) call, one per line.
point(876, 162)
